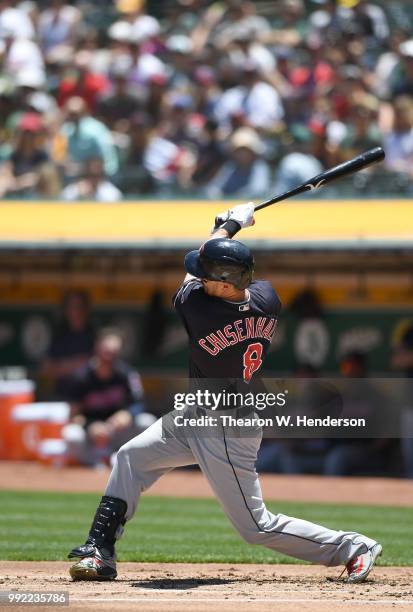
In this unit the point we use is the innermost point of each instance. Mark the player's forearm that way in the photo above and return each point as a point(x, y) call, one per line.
point(220, 232)
point(227, 230)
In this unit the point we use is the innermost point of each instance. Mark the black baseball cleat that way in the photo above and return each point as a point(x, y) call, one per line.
point(85, 550)
point(97, 557)
point(97, 565)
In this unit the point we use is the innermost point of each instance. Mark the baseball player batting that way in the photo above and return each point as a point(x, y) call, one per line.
point(218, 300)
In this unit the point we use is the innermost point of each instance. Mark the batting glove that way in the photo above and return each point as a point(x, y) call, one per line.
point(242, 214)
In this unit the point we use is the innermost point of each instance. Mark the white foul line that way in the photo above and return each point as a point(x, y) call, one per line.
point(239, 600)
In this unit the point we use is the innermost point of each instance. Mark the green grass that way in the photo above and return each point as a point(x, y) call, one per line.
point(45, 526)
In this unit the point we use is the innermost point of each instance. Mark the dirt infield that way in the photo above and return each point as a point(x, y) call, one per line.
point(187, 483)
point(153, 587)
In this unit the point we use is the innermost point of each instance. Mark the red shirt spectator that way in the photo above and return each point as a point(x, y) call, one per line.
point(83, 83)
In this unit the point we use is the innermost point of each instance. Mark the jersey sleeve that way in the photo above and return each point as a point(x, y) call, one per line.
point(266, 297)
point(185, 294)
point(186, 303)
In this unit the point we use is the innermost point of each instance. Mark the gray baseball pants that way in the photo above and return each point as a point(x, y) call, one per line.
point(228, 462)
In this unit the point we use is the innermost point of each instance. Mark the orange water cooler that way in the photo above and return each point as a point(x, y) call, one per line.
point(32, 424)
point(12, 392)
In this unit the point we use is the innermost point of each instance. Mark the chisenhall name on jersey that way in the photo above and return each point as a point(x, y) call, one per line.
point(240, 330)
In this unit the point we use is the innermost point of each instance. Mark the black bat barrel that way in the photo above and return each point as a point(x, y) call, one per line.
point(363, 160)
point(353, 165)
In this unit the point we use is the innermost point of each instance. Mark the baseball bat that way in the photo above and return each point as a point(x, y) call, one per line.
point(363, 160)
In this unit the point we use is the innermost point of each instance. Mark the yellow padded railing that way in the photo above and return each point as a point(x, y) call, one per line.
point(175, 221)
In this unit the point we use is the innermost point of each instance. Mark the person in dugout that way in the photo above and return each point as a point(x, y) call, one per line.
point(107, 404)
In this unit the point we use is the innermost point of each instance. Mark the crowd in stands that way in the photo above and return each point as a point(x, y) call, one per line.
point(104, 100)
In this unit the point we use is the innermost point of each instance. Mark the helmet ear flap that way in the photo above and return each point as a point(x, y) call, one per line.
point(246, 278)
point(238, 275)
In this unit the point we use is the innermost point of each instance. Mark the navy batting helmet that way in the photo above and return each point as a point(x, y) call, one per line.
point(222, 260)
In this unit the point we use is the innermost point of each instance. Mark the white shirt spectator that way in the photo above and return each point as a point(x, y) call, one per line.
point(17, 22)
point(147, 66)
point(23, 54)
point(105, 192)
point(377, 16)
point(261, 104)
point(256, 53)
point(161, 159)
point(399, 151)
point(294, 169)
point(386, 63)
point(144, 27)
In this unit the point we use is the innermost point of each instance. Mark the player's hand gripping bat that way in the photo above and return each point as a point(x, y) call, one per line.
point(363, 160)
